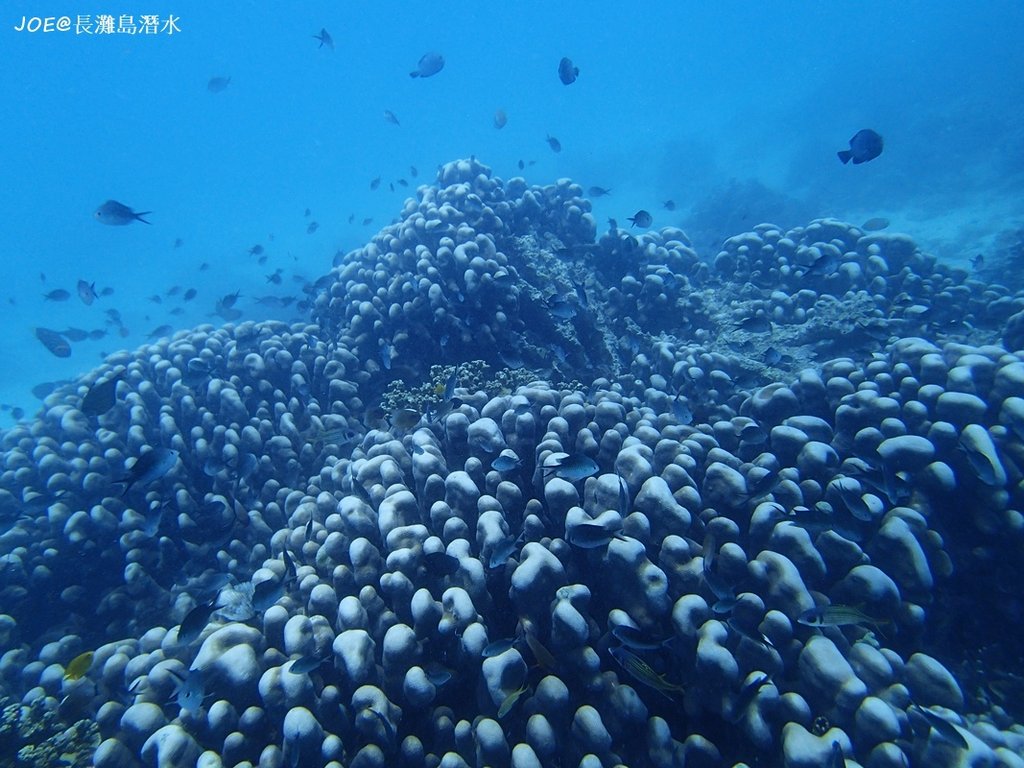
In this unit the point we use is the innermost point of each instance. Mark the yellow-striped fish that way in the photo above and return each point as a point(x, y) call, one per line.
point(540, 653)
point(642, 672)
point(510, 701)
point(837, 616)
point(78, 666)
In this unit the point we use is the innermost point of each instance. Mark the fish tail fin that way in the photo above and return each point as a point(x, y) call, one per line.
point(140, 215)
point(845, 155)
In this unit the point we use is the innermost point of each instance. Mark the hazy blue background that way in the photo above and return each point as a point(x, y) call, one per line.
point(734, 110)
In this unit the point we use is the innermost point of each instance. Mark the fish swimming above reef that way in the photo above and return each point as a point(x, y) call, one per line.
point(325, 39)
point(571, 467)
point(555, 144)
point(150, 466)
point(117, 214)
point(865, 145)
point(190, 690)
point(669, 205)
point(429, 64)
point(217, 84)
point(78, 666)
point(641, 671)
point(598, 192)
point(875, 224)
point(567, 71)
point(101, 396)
point(837, 616)
point(641, 219)
point(54, 342)
point(500, 120)
point(57, 294)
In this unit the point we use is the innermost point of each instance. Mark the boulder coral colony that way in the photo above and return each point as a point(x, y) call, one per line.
point(696, 549)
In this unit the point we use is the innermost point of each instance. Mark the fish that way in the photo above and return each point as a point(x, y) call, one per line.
point(571, 467)
point(875, 224)
point(511, 699)
point(54, 342)
point(943, 727)
point(367, 221)
point(405, 418)
point(437, 673)
point(189, 294)
point(375, 183)
point(413, 172)
point(101, 396)
point(825, 264)
point(755, 635)
point(390, 117)
point(681, 410)
point(441, 563)
point(598, 192)
point(195, 622)
point(637, 639)
point(229, 300)
point(623, 497)
point(108, 291)
point(429, 65)
point(118, 214)
point(150, 466)
point(312, 227)
point(498, 647)
point(978, 261)
point(567, 71)
point(504, 551)
point(669, 205)
point(74, 334)
point(218, 84)
point(86, 292)
point(190, 691)
point(500, 119)
point(57, 294)
point(865, 145)
point(160, 331)
point(837, 615)
point(641, 671)
point(325, 39)
point(506, 463)
point(641, 219)
point(591, 536)
point(537, 648)
point(266, 594)
point(555, 144)
point(79, 666)
point(306, 664)
point(308, 533)
point(561, 309)
point(746, 695)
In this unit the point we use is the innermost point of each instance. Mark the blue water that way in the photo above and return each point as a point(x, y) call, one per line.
point(733, 110)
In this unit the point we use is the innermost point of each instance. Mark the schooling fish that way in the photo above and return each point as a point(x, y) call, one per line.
point(640, 670)
point(195, 622)
point(54, 342)
point(150, 466)
point(101, 396)
point(86, 292)
point(511, 699)
point(118, 214)
point(865, 145)
point(57, 294)
point(325, 39)
point(567, 71)
point(500, 119)
point(837, 616)
point(641, 219)
point(571, 467)
point(598, 192)
point(218, 84)
point(555, 144)
point(429, 64)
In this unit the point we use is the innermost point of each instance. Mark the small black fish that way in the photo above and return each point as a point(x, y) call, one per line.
point(441, 563)
point(865, 145)
point(150, 466)
point(195, 622)
point(312, 227)
point(375, 183)
point(57, 294)
point(598, 191)
point(101, 396)
point(521, 165)
point(266, 593)
point(325, 39)
point(555, 144)
point(641, 219)
point(669, 205)
point(306, 664)
point(567, 71)
point(229, 300)
point(117, 214)
point(54, 342)
point(189, 294)
point(429, 64)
